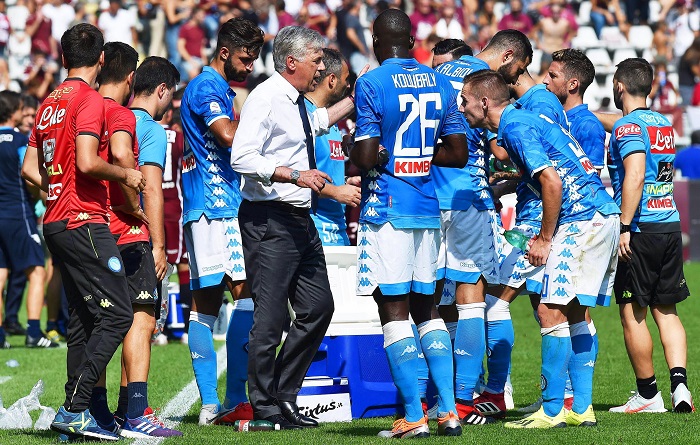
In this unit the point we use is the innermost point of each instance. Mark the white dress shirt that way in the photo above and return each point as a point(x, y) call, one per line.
point(271, 134)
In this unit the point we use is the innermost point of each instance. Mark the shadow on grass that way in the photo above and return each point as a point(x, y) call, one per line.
point(192, 419)
point(39, 434)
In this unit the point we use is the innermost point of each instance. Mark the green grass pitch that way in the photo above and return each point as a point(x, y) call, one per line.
point(171, 371)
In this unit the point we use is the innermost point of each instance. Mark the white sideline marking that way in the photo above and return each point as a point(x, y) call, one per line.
point(180, 405)
point(5, 379)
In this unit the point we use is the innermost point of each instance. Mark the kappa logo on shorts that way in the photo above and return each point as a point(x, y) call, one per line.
point(238, 268)
point(144, 295)
point(114, 264)
point(364, 282)
point(105, 303)
point(364, 242)
point(364, 255)
point(230, 231)
point(626, 294)
point(87, 297)
point(364, 269)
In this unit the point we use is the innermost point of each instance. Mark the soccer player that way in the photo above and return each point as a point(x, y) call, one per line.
point(154, 85)
point(211, 191)
point(72, 168)
point(569, 75)
point(20, 245)
point(650, 272)
point(468, 259)
point(578, 234)
point(330, 214)
point(403, 108)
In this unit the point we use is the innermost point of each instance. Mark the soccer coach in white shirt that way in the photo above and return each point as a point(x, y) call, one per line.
point(283, 255)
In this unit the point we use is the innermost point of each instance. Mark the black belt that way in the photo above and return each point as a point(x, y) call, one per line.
point(283, 206)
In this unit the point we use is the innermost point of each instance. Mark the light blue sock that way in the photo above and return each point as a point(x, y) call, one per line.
point(436, 346)
point(402, 353)
point(500, 339)
point(201, 343)
point(594, 334)
point(237, 354)
point(556, 351)
point(423, 374)
point(470, 347)
point(581, 366)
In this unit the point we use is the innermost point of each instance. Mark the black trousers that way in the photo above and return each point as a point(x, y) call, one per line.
point(100, 308)
point(284, 262)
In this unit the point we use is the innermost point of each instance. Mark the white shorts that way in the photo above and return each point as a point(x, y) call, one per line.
point(215, 249)
point(583, 262)
point(399, 261)
point(515, 269)
point(468, 246)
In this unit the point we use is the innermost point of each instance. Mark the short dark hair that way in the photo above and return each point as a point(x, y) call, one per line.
point(456, 47)
point(10, 102)
point(576, 64)
point(636, 74)
point(333, 61)
point(29, 101)
point(240, 33)
point(82, 45)
point(512, 39)
point(488, 83)
point(695, 137)
point(152, 72)
point(120, 60)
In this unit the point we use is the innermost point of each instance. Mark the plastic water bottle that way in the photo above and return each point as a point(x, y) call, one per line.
point(255, 425)
point(517, 239)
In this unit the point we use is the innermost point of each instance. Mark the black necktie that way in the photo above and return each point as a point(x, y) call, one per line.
point(309, 145)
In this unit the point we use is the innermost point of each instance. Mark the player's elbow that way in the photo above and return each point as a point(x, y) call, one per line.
point(85, 165)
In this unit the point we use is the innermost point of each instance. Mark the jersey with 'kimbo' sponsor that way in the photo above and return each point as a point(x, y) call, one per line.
point(648, 132)
point(408, 107)
point(589, 132)
point(460, 188)
point(538, 100)
point(172, 182)
point(209, 185)
point(73, 109)
point(129, 228)
point(330, 160)
point(535, 142)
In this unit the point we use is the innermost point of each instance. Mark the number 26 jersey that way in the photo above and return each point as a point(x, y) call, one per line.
point(408, 107)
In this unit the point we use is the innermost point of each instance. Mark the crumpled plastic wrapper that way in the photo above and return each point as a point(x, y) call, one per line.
point(17, 415)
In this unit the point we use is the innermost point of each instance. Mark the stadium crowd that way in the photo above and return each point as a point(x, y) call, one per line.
point(415, 153)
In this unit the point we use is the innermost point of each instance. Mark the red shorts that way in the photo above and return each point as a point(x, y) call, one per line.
point(175, 250)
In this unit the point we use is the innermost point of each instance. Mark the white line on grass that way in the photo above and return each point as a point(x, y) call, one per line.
point(180, 405)
point(4, 379)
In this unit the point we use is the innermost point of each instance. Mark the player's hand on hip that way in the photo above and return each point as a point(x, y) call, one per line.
point(135, 179)
point(539, 251)
point(624, 251)
point(313, 179)
point(161, 263)
point(349, 195)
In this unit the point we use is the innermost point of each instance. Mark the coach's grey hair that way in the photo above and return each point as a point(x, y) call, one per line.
point(295, 41)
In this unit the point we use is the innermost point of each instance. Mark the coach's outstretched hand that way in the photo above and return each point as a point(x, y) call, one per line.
point(134, 179)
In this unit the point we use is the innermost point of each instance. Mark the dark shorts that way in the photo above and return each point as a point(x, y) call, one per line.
point(654, 276)
point(20, 245)
point(140, 269)
point(175, 250)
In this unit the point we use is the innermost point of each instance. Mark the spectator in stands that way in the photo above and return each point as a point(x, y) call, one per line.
point(283, 17)
point(664, 94)
point(18, 14)
point(486, 22)
point(685, 26)
point(662, 42)
point(39, 29)
point(688, 160)
point(61, 15)
point(517, 19)
point(448, 25)
point(176, 14)
point(422, 20)
point(351, 35)
point(5, 28)
point(118, 24)
point(191, 45)
point(316, 15)
point(40, 77)
point(423, 53)
point(607, 13)
point(555, 31)
point(689, 71)
point(637, 11)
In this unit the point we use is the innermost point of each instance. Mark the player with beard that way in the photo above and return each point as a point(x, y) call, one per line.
point(211, 191)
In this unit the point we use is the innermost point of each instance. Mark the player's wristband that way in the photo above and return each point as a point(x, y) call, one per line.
point(352, 98)
point(625, 228)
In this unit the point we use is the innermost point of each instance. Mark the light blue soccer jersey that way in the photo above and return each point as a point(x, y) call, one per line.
point(589, 132)
point(408, 107)
point(535, 142)
point(330, 214)
point(153, 141)
point(648, 132)
point(209, 185)
point(459, 189)
point(540, 101)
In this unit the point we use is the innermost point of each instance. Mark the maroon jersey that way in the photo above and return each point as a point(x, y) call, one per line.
point(129, 228)
point(172, 181)
point(71, 110)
